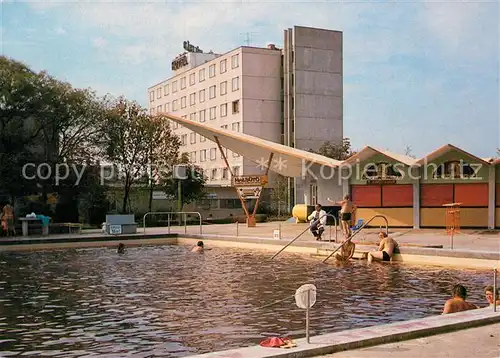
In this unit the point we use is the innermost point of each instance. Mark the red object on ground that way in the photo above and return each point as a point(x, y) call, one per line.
point(274, 342)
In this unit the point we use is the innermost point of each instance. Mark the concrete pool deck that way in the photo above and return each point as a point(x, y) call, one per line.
point(473, 249)
point(367, 337)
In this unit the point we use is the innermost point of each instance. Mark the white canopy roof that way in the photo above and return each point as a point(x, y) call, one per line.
point(286, 160)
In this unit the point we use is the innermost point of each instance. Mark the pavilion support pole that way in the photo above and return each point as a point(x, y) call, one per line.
point(267, 171)
point(243, 204)
point(223, 155)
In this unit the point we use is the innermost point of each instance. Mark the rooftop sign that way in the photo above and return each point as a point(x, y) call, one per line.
point(191, 48)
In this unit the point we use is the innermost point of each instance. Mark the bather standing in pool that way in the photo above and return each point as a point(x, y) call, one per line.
point(346, 252)
point(458, 303)
point(385, 249)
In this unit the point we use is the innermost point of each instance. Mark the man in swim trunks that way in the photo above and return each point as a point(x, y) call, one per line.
point(457, 303)
point(385, 249)
point(346, 210)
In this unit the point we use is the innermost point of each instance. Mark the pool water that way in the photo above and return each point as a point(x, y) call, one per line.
point(163, 301)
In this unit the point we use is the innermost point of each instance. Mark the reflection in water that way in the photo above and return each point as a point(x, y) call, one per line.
point(167, 302)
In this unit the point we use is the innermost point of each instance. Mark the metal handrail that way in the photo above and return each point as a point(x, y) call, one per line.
point(169, 213)
point(357, 231)
point(313, 223)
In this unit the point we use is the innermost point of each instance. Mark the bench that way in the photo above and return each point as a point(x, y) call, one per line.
point(25, 225)
point(120, 224)
point(70, 226)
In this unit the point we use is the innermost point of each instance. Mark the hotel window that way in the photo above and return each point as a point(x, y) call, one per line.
point(183, 102)
point(158, 109)
point(152, 96)
point(158, 93)
point(192, 79)
point(151, 111)
point(236, 106)
point(183, 82)
point(203, 155)
point(236, 83)
point(184, 117)
point(211, 71)
point(223, 110)
point(223, 66)
point(235, 126)
point(236, 170)
point(213, 112)
point(192, 99)
point(235, 155)
point(224, 126)
point(174, 105)
point(223, 88)
point(174, 86)
point(184, 139)
point(213, 153)
point(201, 75)
point(175, 125)
point(235, 61)
point(192, 157)
point(225, 174)
point(192, 138)
point(202, 115)
point(211, 92)
point(213, 174)
point(167, 105)
point(192, 116)
point(166, 90)
point(202, 96)
point(202, 138)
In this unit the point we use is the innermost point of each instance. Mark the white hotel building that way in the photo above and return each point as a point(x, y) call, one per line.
point(291, 96)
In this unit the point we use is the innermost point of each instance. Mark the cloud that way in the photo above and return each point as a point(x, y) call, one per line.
point(99, 42)
point(59, 31)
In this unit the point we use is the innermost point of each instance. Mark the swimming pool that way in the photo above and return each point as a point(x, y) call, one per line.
point(163, 301)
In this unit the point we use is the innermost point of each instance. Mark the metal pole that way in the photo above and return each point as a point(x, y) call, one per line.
point(237, 227)
point(330, 237)
point(452, 232)
point(185, 224)
point(279, 230)
point(201, 230)
point(307, 315)
point(179, 199)
point(495, 289)
point(168, 222)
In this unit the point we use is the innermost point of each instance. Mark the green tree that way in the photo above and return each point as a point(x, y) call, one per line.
point(336, 151)
point(192, 186)
point(134, 141)
point(279, 192)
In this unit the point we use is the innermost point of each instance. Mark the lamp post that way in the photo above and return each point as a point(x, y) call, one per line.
point(179, 173)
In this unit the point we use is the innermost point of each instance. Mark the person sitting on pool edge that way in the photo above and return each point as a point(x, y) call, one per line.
point(346, 252)
point(198, 248)
point(317, 221)
point(488, 291)
point(458, 303)
point(385, 249)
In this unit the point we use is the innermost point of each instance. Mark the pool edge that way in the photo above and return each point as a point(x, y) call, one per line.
point(367, 337)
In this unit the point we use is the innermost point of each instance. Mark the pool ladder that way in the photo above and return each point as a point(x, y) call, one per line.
point(336, 224)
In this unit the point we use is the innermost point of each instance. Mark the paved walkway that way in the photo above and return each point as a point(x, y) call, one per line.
point(468, 240)
point(481, 342)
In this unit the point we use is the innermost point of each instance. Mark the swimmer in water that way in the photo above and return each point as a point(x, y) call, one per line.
point(198, 248)
point(346, 252)
point(458, 303)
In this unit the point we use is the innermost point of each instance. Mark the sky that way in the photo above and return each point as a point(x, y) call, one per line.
point(417, 74)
